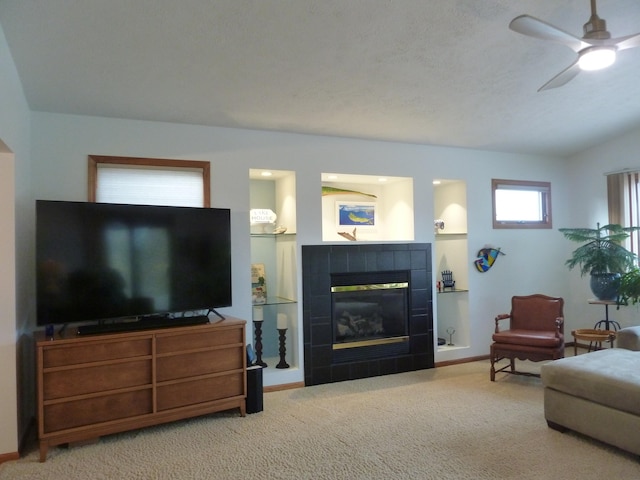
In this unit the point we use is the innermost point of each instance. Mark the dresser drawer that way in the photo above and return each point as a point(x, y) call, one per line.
point(95, 351)
point(167, 343)
point(193, 364)
point(79, 381)
point(180, 394)
point(90, 411)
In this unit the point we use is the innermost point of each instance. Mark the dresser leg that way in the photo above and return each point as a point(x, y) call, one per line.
point(44, 448)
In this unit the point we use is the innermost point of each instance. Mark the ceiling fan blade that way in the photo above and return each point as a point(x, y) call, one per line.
point(534, 27)
point(630, 41)
point(563, 77)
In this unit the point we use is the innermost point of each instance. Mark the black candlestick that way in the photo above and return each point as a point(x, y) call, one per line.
point(257, 326)
point(282, 334)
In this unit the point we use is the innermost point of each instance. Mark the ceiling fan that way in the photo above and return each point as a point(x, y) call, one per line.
point(596, 49)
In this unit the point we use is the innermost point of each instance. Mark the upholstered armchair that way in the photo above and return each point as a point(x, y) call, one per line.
point(536, 333)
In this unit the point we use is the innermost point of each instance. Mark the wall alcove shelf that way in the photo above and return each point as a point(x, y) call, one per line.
point(452, 253)
point(94, 385)
point(275, 329)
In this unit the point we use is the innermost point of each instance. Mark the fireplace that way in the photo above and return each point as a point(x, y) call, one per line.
point(367, 310)
point(369, 314)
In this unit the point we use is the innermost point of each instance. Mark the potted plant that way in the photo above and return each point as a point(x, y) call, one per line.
point(629, 288)
point(602, 256)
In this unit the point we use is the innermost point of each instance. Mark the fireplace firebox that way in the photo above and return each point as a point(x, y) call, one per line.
point(367, 310)
point(370, 313)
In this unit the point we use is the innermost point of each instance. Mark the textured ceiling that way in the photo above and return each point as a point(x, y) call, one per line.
point(440, 72)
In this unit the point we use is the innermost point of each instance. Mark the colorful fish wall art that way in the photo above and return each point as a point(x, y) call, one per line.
point(486, 258)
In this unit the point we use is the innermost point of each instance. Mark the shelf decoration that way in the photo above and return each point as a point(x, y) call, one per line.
point(359, 215)
point(486, 258)
point(282, 324)
point(258, 318)
point(341, 191)
point(349, 236)
point(450, 332)
point(356, 214)
point(262, 217)
point(447, 280)
point(258, 284)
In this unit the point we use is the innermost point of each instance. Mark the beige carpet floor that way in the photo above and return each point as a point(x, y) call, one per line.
point(445, 423)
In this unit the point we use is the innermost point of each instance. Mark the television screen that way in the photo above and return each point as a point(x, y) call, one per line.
point(98, 261)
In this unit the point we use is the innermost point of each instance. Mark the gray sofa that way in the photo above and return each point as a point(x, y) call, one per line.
point(598, 393)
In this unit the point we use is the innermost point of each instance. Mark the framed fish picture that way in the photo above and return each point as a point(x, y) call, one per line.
point(356, 215)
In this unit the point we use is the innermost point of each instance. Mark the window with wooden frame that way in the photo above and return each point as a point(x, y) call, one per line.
point(149, 181)
point(521, 204)
point(623, 197)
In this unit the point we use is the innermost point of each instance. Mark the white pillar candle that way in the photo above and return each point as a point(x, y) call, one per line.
point(258, 314)
point(282, 321)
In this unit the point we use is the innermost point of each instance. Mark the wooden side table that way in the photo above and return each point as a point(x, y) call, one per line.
point(593, 336)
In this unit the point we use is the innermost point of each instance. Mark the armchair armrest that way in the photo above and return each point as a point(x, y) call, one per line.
point(502, 316)
point(559, 323)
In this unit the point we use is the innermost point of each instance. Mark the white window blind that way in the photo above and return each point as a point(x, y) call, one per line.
point(182, 187)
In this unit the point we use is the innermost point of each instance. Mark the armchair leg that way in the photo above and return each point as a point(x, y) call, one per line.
point(513, 365)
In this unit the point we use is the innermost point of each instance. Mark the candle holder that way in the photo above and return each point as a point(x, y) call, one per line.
point(257, 326)
point(282, 335)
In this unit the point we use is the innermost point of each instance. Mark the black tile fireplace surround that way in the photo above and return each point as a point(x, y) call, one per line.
point(323, 364)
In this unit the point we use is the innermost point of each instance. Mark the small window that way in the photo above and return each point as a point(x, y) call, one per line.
point(149, 181)
point(521, 204)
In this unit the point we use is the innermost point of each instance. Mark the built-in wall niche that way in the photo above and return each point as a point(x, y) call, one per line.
point(451, 254)
point(273, 190)
point(274, 257)
point(450, 206)
point(366, 208)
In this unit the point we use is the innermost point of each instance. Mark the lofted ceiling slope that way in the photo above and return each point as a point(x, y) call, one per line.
point(428, 72)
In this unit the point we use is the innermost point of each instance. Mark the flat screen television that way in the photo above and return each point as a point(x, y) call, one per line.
point(106, 262)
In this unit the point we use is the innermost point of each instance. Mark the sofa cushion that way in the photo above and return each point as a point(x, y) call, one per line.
point(629, 338)
point(609, 377)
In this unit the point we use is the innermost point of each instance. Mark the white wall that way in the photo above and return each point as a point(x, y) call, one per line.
point(61, 144)
point(14, 227)
point(588, 206)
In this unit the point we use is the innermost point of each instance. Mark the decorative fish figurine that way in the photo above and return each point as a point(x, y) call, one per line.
point(342, 191)
point(349, 236)
point(486, 258)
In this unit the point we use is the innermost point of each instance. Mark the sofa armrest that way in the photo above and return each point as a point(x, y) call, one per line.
point(629, 338)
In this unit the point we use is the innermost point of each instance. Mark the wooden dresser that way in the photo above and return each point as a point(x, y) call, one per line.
point(94, 385)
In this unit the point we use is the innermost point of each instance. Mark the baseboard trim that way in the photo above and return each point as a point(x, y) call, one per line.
point(284, 386)
point(461, 360)
point(7, 457)
point(289, 386)
point(22, 445)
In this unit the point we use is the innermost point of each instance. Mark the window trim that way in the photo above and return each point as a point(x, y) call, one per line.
point(543, 187)
point(95, 160)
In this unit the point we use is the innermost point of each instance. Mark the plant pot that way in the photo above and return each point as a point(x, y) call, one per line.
point(605, 285)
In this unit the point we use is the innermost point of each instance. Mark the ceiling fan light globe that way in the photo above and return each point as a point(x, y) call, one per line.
point(597, 58)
